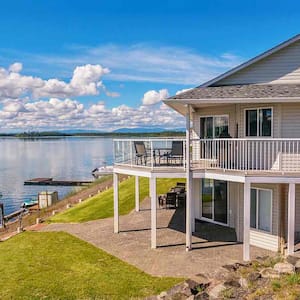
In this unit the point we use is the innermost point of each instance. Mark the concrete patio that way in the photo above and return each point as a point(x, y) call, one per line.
point(213, 245)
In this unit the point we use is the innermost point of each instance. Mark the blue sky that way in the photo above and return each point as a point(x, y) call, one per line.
point(149, 49)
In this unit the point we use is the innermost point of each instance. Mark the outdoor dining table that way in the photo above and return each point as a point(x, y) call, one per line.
point(159, 153)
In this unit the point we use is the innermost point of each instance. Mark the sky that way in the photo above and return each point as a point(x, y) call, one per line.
point(104, 65)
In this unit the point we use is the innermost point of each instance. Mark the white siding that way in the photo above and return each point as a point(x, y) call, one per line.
point(264, 240)
point(290, 120)
point(280, 67)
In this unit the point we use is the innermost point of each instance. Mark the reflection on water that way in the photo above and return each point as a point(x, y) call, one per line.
point(62, 158)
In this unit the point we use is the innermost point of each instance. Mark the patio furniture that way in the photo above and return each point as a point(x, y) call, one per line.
point(176, 153)
point(171, 200)
point(140, 152)
point(181, 184)
point(162, 200)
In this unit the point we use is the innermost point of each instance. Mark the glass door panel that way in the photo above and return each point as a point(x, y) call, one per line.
point(220, 201)
point(206, 127)
point(221, 127)
point(214, 200)
point(207, 198)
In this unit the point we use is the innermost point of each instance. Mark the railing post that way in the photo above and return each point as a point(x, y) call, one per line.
point(151, 153)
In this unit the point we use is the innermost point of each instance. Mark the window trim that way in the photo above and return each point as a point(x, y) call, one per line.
point(212, 116)
point(257, 189)
point(213, 205)
point(257, 125)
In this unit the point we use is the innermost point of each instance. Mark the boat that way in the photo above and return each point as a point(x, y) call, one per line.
point(102, 170)
point(29, 202)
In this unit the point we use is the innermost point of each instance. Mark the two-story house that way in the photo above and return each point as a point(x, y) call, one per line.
point(241, 154)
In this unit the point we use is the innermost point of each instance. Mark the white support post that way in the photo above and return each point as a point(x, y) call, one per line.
point(116, 202)
point(137, 194)
point(189, 193)
point(247, 198)
point(153, 211)
point(291, 220)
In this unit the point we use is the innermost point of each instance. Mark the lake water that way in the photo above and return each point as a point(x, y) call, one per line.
point(60, 158)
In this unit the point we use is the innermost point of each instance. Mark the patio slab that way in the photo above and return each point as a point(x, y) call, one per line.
point(214, 247)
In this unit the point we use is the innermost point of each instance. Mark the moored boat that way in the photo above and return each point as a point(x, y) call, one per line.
point(102, 170)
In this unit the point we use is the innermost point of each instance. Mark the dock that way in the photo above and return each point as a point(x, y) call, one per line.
point(50, 181)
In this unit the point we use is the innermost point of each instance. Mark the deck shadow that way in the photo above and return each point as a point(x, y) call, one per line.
point(204, 230)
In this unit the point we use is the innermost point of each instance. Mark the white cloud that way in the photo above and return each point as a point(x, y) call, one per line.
point(15, 67)
point(86, 80)
point(54, 114)
point(153, 97)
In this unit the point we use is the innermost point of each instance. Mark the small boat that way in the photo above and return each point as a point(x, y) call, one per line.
point(102, 171)
point(29, 202)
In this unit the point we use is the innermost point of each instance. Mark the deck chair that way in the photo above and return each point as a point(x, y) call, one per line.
point(176, 153)
point(140, 153)
point(171, 200)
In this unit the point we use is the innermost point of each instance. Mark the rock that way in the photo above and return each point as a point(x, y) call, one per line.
point(243, 283)
point(221, 274)
point(284, 268)
point(254, 276)
point(191, 283)
point(232, 283)
point(216, 291)
point(201, 296)
point(231, 268)
point(175, 289)
point(201, 279)
point(162, 295)
point(297, 267)
point(269, 273)
point(292, 260)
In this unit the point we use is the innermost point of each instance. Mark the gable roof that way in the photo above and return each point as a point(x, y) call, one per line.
point(251, 61)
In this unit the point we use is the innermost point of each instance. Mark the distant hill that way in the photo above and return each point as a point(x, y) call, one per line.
point(146, 130)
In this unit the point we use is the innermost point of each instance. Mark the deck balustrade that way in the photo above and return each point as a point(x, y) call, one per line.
point(235, 154)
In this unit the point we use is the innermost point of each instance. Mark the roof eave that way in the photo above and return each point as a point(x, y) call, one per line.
point(177, 104)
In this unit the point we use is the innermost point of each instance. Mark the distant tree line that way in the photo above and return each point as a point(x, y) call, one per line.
point(37, 134)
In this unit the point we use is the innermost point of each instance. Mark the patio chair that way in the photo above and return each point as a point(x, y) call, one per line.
point(176, 152)
point(140, 152)
point(171, 200)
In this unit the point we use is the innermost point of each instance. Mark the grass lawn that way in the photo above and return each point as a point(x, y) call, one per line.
point(101, 205)
point(56, 265)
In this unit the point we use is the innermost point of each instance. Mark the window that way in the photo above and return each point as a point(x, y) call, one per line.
point(259, 122)
point(261, 209)
point(213, 127)
point(214, 200)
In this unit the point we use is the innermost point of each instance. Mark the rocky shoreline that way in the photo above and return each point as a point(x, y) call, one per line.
point(262, 278)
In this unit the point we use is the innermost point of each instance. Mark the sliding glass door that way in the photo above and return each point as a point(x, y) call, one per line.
point(214, 200)
point(214, 127)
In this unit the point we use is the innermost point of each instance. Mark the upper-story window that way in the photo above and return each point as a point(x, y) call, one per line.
point(259, 122)
point(214, 127)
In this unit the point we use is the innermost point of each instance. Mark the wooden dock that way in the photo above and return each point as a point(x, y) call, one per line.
point(50, 181)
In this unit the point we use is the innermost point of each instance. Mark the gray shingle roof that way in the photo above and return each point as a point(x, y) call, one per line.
point(241, 91)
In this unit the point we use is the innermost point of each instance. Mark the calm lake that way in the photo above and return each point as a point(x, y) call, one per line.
point(59, 158)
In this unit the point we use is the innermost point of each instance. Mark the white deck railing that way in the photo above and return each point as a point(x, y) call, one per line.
point(261, 154)
point(158, 153)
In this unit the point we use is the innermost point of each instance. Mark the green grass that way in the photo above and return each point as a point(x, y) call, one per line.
point(56, 265)
point(101, 205)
